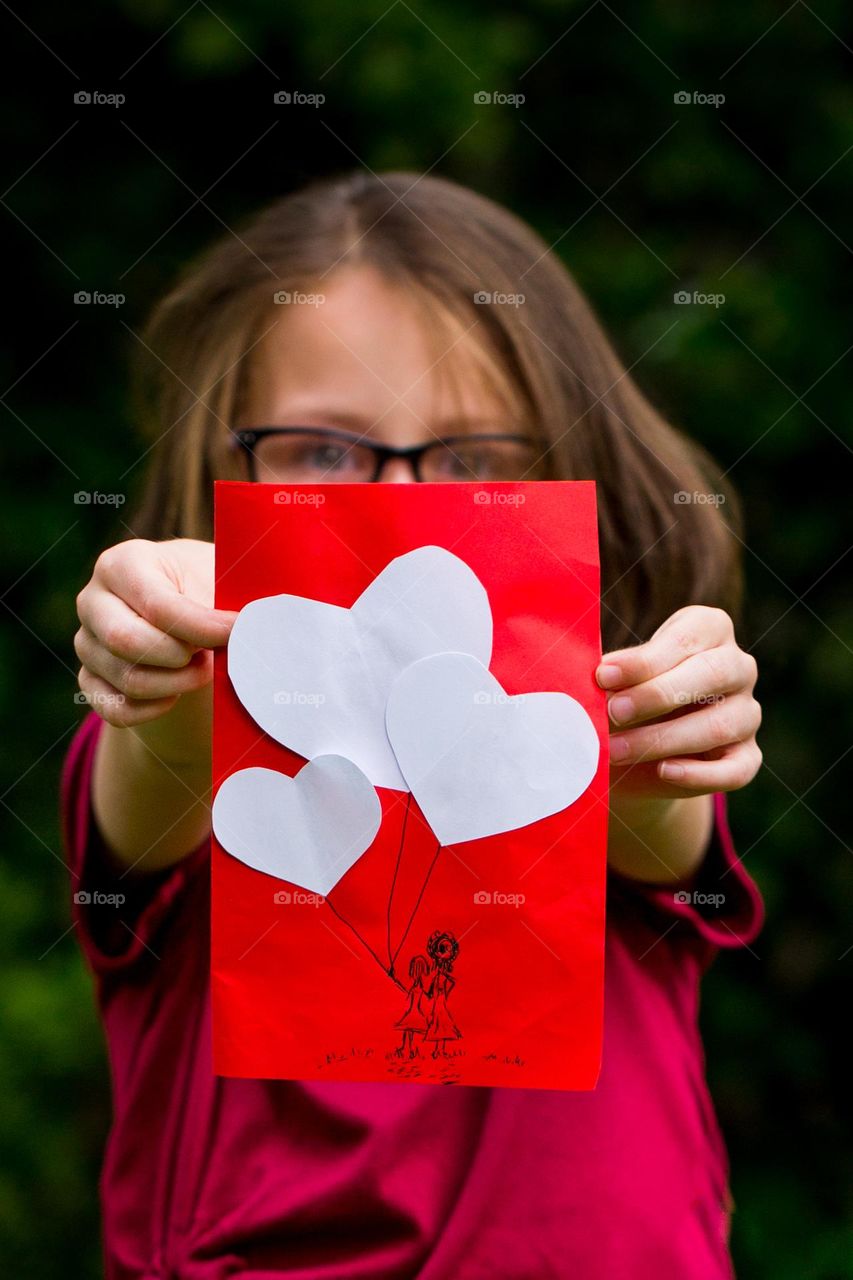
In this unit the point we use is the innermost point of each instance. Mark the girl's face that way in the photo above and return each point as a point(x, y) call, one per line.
point(361, 362)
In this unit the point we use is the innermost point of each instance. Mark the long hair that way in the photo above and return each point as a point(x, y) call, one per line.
point(447, 247)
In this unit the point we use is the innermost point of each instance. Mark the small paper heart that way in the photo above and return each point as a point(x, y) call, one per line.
point(308, 830)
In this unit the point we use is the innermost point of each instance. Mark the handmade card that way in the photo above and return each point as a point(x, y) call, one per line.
point(410, 785)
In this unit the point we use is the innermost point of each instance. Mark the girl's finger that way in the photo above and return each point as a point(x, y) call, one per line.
point(704, 678)
point(115, 707)
point(734, 768)
point(141, 682)
point(688, 631)
point(149, 591)
point(707, 729)
point(125, 634)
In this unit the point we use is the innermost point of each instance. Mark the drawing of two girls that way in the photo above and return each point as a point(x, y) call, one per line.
point(427, 1014)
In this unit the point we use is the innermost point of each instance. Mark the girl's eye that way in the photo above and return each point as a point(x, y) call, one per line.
point(327, 457)
point(310, 458)
point(456, 463)
point(478, 459)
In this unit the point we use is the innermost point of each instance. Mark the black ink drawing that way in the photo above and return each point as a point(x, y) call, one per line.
point(427, 1023)
point(427, 1014)
point(443, 948)
point(393, 952)
point(416, 1018)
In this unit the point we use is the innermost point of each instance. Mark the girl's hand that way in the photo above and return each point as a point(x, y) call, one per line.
point(147, 628)
point(683, 710)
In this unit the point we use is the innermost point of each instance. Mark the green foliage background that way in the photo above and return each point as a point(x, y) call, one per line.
point(643, 196)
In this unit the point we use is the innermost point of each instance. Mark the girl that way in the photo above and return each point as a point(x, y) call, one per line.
point(443, 948)
point(414, 1020)
point(366, 320)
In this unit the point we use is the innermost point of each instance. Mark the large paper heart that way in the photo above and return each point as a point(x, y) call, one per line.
point(316, 677)
point(478, 761)
point(309, 829)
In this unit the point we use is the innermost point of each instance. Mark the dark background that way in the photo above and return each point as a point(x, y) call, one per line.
point(645, 196)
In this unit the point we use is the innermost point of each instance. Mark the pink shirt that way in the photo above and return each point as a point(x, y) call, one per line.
point(207, 1178)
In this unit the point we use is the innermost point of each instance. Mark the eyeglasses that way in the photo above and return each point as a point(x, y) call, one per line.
point(310, 455)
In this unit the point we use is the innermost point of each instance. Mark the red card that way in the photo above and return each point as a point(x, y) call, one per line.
point(475, 961)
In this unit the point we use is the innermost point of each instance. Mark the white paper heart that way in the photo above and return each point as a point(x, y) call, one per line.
point(309, 829)
point(478, 761)
point(316, 677)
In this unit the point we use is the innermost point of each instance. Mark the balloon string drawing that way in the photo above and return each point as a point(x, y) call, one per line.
point(414, 910)
point(392, 955)
point(395, 693)
point(389, 966)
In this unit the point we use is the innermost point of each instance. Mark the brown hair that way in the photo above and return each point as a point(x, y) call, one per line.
point(658, 551)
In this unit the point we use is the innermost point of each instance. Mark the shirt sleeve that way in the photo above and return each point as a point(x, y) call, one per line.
point(721, 903)
point(117, 914)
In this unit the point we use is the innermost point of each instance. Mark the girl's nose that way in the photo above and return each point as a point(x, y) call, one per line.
point(398, 471)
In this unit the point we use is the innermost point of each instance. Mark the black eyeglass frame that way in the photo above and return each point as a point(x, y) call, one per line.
point(249, 437)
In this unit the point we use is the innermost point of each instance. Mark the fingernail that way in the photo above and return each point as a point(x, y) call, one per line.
point(621, 708)
point(609, 676)
point(620, 748)
point(672, 771)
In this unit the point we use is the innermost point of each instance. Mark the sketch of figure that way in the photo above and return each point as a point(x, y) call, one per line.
point(443, 949)
point(414, 1021)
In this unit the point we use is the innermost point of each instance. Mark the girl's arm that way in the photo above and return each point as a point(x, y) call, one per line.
point(659, 841)
point(685, 721)
point(147, 628)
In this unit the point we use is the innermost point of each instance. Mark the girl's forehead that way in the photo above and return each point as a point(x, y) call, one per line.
point(364, 343)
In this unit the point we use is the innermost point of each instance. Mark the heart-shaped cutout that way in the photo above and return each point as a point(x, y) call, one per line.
point(479, 761)
point(308, 830)
point(316, 677)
